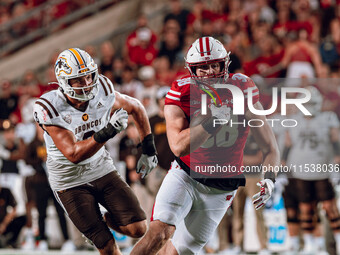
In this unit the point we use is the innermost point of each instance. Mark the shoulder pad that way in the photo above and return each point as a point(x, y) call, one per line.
point(44, 111)
point(183, 81)
point(240, 77)
point(179, 88)
point(106, 85)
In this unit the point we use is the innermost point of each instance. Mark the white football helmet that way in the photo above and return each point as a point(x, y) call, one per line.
point(207, 50)
point(74, 63)
point(314, 105)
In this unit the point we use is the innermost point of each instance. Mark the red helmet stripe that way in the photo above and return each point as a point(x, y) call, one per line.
point(201, 46)
point(207, 45)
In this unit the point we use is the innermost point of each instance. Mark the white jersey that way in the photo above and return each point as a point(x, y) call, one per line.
point(52, 108)
point(311, 145)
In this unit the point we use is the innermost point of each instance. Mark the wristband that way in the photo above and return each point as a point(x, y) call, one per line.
point(208, 125)
point(105, 134)
point(148, 145)
point(270, 176)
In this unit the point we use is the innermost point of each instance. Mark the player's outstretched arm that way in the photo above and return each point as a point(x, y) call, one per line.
point(148, 159)
point(265, 138)
point(75, 151)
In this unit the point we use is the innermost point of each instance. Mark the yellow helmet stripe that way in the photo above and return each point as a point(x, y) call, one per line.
point(78, 57)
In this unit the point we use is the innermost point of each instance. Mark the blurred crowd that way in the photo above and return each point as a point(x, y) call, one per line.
point(22, 18)
point(299, 40)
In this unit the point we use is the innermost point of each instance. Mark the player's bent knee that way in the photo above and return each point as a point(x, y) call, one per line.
point(307, 210)
point(162, 231)
point(330, 207)
point(136, 229)
point(292, 213)
point(141, 228)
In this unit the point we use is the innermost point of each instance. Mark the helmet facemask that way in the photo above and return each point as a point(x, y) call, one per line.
point(81, 93)
point(221, 76)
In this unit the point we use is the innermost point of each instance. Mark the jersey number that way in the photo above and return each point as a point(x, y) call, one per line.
point(225, 137)
point(310, 140)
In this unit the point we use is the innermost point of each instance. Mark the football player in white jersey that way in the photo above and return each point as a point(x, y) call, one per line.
point(311, 143)
point(78, 119)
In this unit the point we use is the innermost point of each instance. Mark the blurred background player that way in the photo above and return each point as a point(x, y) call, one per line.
point(252, 157)
point(310, 143)
point(10, 223)
point(158, 127)
point(42, 193)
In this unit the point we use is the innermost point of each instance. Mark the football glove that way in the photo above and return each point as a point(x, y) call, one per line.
point(222, 112)
point(119, 120)
point(117, 123)
point(148, 160)
point(146, 164)
point(261, 198)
